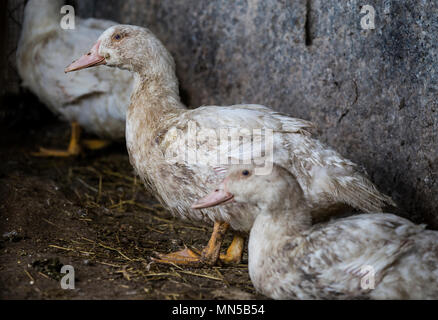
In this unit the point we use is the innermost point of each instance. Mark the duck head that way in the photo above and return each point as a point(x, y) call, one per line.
point(276, 191)
point(127, 47)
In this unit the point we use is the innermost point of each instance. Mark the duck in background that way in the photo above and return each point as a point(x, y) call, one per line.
point(161, 132)
point(368, 256)
point(95, 100)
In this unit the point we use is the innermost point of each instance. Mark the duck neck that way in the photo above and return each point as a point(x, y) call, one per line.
point(275, 225)
point(269, 234)
point(154, 102)
point(154, 96)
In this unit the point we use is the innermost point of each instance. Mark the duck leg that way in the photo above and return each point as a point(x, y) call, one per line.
point(211, 252)
point(95, 144)
point(74, 149)
point(208, 256)
point(235, 251)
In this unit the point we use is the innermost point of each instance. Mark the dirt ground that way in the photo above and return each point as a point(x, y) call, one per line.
point(93, 214)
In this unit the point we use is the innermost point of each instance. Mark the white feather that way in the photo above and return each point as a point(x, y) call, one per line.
point(96, 98)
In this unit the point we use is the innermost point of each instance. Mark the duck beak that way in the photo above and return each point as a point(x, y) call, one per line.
point(216, 198)
point(91, 59)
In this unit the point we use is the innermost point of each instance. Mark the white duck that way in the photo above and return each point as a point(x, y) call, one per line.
point(368, 256)
point(96, 100)
point(176, 150)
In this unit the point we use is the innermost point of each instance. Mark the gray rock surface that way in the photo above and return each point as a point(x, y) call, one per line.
point(3, 31)
point(372, 93)
point(11, 16)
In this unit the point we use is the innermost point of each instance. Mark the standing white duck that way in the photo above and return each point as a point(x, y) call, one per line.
point(368, 256)
point(175, 150)
point(95, 100)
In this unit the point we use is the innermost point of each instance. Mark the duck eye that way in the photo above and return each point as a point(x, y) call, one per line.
point(245, 173)
point(118, 37)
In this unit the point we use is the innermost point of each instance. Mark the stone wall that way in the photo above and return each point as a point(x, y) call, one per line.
point(11, 16)
point(3, 31)
point(373, 93)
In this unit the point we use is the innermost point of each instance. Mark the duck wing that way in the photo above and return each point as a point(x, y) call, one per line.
point(225, 135)
point(326, 177)
point(104, 94)
point(336, 258)
point(41, 61)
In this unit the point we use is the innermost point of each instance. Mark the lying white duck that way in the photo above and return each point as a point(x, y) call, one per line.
point(181, 166)
point(95, 100)
point(343, 259)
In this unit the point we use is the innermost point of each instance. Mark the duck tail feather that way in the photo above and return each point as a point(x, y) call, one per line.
point(360, 193)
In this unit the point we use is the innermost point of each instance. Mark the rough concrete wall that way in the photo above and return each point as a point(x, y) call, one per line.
point(11, 16)
point(3, 31)
point(373, 93)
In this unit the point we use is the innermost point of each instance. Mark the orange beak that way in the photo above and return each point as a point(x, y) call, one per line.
point(215, 198)
point(91, 59)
